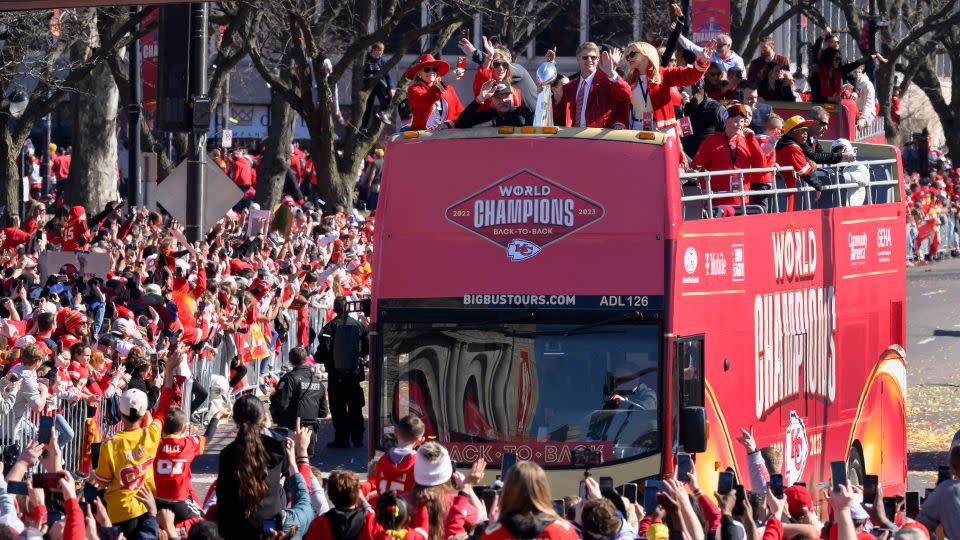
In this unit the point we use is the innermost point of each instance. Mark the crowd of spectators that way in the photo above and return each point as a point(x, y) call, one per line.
point(932, 203)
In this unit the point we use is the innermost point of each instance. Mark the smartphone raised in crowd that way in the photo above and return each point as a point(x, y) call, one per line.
point(269, 525)
point(838, 471)
point(507, 462)
point(650, 490)
point(725, 483)
point(684, 466)
point(943, 474)
point(46, 430)
point(558, 507)
point(890, 507)
point(46, 480)
point(740, 507)
point(776, 485)
point(630, 492)
point(913, 504)
point(18, 488)
point(870, 482)
point(606, 484)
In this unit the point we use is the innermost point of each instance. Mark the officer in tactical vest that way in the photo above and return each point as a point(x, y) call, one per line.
point(300, 394)
point(342, 348)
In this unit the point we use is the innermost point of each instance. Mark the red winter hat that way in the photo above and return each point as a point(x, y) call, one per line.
point(237, 266)
point(73, 320)
point(424, 61)
point(798, 498)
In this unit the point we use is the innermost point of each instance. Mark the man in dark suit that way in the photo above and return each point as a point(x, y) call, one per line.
point(597, 98)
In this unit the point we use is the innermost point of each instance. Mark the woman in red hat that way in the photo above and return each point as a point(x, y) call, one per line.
point(432, 102)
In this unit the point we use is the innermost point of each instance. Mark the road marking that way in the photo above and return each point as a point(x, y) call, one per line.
point(931, 293)
point(956, 326)
point(924, 341)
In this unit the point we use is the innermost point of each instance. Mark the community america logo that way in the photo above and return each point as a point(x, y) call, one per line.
point(524, 212)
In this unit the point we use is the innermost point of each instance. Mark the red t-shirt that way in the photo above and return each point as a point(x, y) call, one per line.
point(171, 469)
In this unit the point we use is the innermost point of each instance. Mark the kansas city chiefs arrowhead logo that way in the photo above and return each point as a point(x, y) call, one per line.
point(524, 212)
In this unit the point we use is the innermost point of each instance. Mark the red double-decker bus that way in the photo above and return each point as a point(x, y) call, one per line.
point(563, 294)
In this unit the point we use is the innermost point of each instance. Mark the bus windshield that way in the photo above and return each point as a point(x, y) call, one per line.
point(551, 385)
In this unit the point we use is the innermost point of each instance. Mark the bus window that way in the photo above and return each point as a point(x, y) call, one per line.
point(561, 385)
point(689, 358)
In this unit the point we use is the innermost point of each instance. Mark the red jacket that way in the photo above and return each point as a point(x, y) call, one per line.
point(558, 530)
point(242, 173)
point(717, 153)
point(74, 526)
point(320, 529)
point(422, 98)
point(608, 103)
point(660, 98)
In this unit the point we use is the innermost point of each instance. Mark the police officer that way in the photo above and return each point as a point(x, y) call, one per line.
point(343, 345)
point(300, 395)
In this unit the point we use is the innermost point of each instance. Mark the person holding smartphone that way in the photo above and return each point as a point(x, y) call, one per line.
point(942, 507)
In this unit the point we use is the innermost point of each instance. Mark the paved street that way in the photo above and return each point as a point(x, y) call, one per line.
point(933, 397)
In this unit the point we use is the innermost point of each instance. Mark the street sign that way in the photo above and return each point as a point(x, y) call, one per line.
point(16, 5)
point(221, 193)
point(226, 138)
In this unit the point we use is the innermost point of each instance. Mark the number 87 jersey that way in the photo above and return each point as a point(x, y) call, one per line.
point(171, 469)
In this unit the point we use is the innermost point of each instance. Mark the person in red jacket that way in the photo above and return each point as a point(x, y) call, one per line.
point(74, 524)
point(497, 67)
point(526, 508)
point(597, 98)
point(733, 148)
point(432, 102)
point(242, 171)
point(395, 467)
point(650, 100)
point(348, 519)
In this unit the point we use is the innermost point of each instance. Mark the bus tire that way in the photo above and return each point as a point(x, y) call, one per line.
point(855, 472)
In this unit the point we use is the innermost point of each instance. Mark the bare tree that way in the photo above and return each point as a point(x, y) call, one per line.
point(36, 61)
point(342, 32)
point(905, 42)
point(749, 24)
point(926, 79)
point(516, 23)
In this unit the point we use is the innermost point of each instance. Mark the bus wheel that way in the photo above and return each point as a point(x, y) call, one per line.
point(855, 467)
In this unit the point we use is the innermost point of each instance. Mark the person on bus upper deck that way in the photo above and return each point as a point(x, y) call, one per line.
point(497, 66)
point(651, 107)
point(723, 53)
point(790, 153)
point(706, 118)
point(760, 110)
point(733, 148)
point(820, 121)
point(504, 111)
point(599, 99)
point(767, 53)
point(432, 102)
point(826, 85)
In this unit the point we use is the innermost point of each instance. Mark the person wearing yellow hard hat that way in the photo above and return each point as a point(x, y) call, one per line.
point(790, 154)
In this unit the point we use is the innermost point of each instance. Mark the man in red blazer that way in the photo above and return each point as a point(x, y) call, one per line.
point(603, 96)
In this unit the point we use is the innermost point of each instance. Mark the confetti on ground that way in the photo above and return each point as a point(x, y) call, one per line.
point(932, 417)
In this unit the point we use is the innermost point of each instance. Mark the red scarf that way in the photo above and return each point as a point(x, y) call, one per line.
point(833, 84)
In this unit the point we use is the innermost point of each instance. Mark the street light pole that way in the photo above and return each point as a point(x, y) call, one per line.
point(134, 110)
point(200, 108)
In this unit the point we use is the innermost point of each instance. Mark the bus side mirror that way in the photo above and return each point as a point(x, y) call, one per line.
point(693, 429)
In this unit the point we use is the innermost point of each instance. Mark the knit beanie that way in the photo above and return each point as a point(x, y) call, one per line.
point(433, 466)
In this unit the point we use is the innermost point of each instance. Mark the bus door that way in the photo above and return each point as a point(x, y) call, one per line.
point(688, 356)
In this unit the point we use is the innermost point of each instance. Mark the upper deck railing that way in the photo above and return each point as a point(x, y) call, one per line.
point(835, 191)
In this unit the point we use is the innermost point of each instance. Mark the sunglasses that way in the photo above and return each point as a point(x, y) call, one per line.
point(431, 69)
point(589, 58)
point(822, 123)
point(632, 54)
point(500, 65)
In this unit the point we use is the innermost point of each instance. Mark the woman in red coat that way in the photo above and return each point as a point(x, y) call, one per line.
point(650, 84)
point(497, 66)
point(432, 102)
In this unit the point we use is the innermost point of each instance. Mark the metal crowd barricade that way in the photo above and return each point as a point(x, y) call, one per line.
point(802, 189)
point(21, 431)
